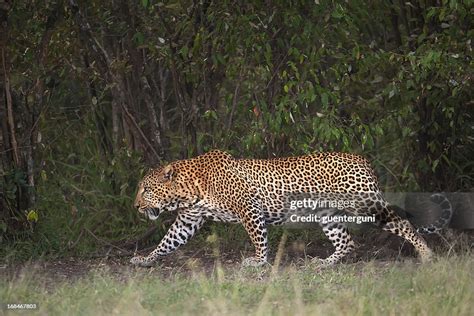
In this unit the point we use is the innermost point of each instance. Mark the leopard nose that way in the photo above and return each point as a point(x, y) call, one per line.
point(136, 204)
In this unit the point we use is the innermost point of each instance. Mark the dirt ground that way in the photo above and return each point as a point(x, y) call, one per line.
point(189, 259)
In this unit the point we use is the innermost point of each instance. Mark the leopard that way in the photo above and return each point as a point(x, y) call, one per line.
point(216, 186)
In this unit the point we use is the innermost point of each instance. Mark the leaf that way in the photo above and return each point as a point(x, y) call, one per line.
point(211, 238)
point(44, 176)
point(145, 3)
point(210, 114)
point(3, 227)
point(435, 164)
point(32, 216)
point(377, 79)
point(345, 141)
point(220, 59)
point(291, 117)
point(324, 99)
point(139, 38)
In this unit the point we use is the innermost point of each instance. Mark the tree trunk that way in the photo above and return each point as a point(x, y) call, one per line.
point(394, 20)
point(154, 125)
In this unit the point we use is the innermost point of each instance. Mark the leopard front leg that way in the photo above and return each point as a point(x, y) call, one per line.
point(183, 228)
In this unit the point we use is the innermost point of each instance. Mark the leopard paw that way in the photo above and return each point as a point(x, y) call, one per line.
point(427, 257)
point(141, 261)
point(322, 263)
point(253, 262)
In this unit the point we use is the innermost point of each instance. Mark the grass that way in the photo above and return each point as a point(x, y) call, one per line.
point(444, 287)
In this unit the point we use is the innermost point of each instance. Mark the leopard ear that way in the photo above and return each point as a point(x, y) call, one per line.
point(167, 174)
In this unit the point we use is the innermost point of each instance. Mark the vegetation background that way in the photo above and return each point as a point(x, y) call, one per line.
point(95, 92)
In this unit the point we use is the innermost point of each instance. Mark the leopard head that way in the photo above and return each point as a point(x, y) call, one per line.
point(163, 189)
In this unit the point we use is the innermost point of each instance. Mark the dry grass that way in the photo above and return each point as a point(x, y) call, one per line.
point(444, 287)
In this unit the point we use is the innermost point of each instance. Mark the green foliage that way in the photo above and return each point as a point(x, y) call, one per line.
point(112, 89)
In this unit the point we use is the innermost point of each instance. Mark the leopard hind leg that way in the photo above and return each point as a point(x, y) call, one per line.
point(339, 236)
point(390, 221)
